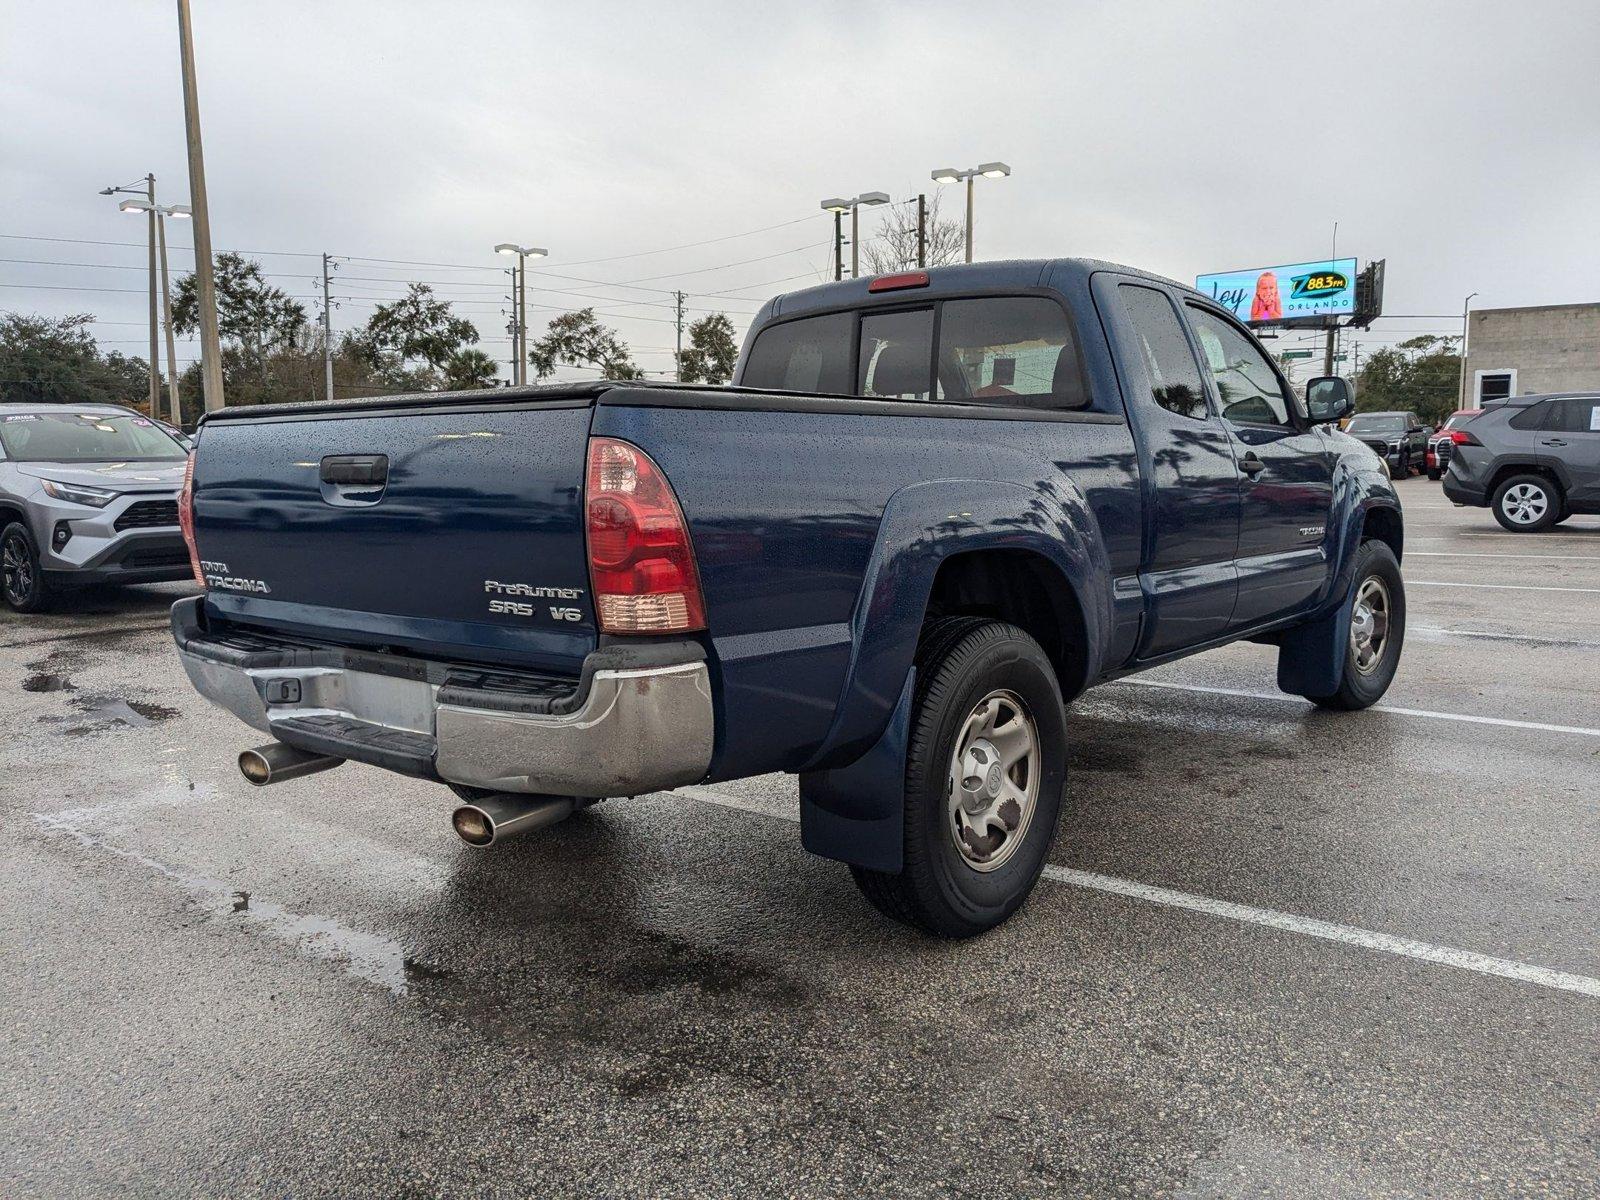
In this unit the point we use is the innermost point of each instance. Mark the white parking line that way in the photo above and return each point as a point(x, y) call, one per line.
point(1430, 714)
point(1350, 935)
point(1497, 587)
point(1503, 637)
point(1475, 554)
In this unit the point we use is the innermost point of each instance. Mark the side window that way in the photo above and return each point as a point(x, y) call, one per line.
point(811, 355)
point(1532, 417)
point(1175, 382)
point(897, 355)
point(1574, 416)
point(1247, 387)
point(1016, 350)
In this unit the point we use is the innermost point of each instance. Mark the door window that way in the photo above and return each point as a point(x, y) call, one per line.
point(1574, 416)
point(1248, 389)
point(1175, 382)
point(897, 355)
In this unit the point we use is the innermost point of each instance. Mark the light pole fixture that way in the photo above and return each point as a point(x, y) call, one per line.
point(161, 212)
point(146, 187)
point(992, 170)
point(520, 303)
point(1462, 386)
point(838, 207)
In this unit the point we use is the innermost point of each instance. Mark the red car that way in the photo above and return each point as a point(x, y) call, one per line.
point(1441, 444)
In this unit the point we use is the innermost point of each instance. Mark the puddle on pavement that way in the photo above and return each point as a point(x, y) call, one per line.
point(44, 681)
point(96, 714)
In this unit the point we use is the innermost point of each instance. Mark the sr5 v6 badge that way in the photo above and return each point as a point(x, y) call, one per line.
point(522, 608)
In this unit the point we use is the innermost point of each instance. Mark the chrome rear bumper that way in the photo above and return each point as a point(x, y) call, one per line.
point(636, 729)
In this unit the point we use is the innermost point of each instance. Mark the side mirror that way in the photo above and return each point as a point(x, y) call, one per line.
point(1328, 400)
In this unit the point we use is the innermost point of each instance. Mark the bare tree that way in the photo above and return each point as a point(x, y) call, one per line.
point(894, 246)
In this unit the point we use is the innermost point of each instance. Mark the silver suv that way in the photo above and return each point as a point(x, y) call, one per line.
point(88, 494)
point(1533, 460)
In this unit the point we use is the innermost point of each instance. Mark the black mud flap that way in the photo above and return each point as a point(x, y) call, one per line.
point(1311, 657)
point(856, 814)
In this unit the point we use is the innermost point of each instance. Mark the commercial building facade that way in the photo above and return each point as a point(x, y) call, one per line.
point(1531, 351)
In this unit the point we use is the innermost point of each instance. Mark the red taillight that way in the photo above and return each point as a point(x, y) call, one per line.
point(186, 521)
point(1462, 438)
point(893, 283)
point(641, 561)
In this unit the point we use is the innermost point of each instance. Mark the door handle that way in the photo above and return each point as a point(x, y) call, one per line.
point(1554, 442)
point(1251, 465)
point(359, 469)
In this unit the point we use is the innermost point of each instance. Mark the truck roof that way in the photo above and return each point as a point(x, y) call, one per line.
point(18, 406)
point(998, 275)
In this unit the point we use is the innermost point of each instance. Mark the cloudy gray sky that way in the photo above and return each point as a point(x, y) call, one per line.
point(1459, 141)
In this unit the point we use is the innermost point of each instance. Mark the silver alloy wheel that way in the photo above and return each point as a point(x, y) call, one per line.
point(994, 780)
point(1369, 624)
point(1526, 503)
point(16, 565)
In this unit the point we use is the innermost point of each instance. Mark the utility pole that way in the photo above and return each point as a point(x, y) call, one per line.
point(838, 246)
point(678, 357)
point(922, 229)
point(855, 241)
point(205, 285)
point(166, 317)
point(155, 345)
point(1327, 355)
point(327, 332)
point(511, 328)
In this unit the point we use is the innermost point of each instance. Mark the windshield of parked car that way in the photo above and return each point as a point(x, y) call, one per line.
point(1377, 423)
point(80, 437)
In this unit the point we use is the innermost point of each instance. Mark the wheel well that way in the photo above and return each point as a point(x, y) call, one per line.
point(1505, 473)
point(1026, 589)
point(1384, 525)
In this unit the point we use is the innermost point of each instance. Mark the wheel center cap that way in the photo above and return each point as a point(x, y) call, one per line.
point(991, 783)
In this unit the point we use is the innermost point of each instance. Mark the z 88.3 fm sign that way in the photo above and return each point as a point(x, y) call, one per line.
point(1266, 295)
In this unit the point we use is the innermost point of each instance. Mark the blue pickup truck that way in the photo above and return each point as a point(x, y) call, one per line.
point(932, 509)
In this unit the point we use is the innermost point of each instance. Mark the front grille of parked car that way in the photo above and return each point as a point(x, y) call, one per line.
point(148, 514)
point(138, 560)
point(1442, 449)
point(1381, 449)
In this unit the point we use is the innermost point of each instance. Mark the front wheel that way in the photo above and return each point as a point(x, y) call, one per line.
point(1527, 504)
point(1435, 474)
point(22, 581)
point(1377, 631)
point(985, 772)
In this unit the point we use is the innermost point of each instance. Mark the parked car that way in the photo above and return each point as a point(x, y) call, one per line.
point(88, 494)
point(1397, 437)
point(935, 507)
point(1532, 460)
point(1441, 444)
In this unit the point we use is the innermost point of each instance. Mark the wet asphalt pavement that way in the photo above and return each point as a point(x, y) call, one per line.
point(315, 989)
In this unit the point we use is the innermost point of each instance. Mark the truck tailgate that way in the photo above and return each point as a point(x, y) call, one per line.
point(469, 547)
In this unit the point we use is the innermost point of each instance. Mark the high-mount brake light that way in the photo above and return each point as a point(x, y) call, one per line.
point(641, 561)
point(895, 283)
point(186, 520)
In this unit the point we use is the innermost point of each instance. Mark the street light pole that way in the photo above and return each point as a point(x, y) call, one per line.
point(520, 335)
point(205, 286)
point(1461, 388)
point(327, 332)
point(166, 320)
point(993, 170)
point(155, 346)
point(838, 207)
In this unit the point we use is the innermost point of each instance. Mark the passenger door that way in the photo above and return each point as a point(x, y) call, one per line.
point(1570, 444)
point(1190, 483)
point(1287, 473)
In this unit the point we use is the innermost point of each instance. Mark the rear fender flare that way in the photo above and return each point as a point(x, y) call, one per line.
point(923, 524)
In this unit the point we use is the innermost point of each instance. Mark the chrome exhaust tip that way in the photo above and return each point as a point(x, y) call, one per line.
point(275, 762)
point(489, 820)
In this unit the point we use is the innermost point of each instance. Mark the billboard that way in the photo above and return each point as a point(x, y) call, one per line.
point(1266, 295)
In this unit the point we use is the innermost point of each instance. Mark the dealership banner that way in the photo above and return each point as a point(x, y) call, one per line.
point(1264, 295)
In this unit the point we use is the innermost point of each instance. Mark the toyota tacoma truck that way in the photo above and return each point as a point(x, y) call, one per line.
point(932, 509)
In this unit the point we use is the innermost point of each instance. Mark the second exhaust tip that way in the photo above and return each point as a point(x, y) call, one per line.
point(275, 762)
point(490, 820)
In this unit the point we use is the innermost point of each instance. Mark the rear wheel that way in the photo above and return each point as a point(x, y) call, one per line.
point(985, 772)
point(1377, 631)
point(1527, 504)
point(22, 582)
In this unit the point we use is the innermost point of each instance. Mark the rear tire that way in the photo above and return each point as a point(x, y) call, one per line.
point(1377, 631)
point(1434, 474)
point(985, 774)
point(1527, 504)
point(22, 581)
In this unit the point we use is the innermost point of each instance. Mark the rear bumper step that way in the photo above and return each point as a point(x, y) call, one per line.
point(638, 720)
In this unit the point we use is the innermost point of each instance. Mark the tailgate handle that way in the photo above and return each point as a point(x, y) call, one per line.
point(369, 469)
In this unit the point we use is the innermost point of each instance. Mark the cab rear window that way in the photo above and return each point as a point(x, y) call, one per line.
point(1009, 351)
